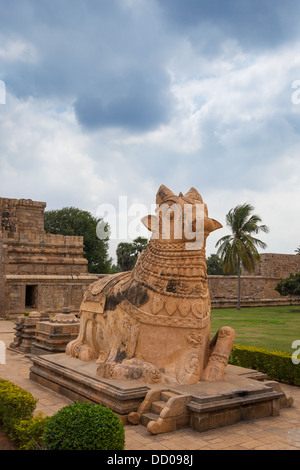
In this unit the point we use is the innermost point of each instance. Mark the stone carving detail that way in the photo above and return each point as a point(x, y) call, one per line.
point(153, 323)
point(157, 304)
point(184, 307)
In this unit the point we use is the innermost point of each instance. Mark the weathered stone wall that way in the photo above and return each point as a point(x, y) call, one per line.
point(53, 292)
point(259, 288)
point(31, 253)
point(53, 264)
point(21, 215)
point(277, 265)
point(2, 281)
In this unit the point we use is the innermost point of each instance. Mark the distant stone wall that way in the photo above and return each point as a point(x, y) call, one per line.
point(257, 289)
point(277, 265)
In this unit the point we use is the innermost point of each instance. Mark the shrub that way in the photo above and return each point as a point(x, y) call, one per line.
point(29, 432)
point(15, 404)
point(276, 364)
point(84, 426)
point(290, 285)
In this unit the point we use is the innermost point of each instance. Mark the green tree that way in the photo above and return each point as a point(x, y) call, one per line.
point(290, 285)
point(240, 248)
point(73, 221)
point(297, 251)
point(214, 265)
point(127, 253)
point(115, 269)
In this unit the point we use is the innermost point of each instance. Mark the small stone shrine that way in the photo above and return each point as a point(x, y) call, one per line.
point(53, 335)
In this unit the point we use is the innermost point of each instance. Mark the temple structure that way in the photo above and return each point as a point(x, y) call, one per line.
point(38, 270)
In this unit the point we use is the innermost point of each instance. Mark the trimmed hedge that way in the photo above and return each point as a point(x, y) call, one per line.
point(276, 364)
point(75, 427)
point(16, 404)
point(84, 426)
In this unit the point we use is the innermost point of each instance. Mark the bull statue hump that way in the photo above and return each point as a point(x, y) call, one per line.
point(153, 323)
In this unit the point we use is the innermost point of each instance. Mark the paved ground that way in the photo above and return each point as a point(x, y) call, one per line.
point(273, 433)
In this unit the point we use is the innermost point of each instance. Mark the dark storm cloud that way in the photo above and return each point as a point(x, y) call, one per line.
point(102, 55)
point(140, 102)
point(255, 24)
point(110, 58)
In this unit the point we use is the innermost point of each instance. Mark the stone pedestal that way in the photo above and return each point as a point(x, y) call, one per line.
point(78, 380)
point(242, 395)
point(52, 336)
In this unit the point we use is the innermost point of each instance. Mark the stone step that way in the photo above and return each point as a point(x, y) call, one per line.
point(147, 417)
point(158, 405)
point(165, 395)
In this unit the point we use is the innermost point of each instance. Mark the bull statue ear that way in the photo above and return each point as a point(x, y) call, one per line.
point(193, 194)
point(211, 224)
point(162, 193)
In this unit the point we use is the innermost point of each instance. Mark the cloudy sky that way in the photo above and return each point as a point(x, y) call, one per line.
point(107, 98)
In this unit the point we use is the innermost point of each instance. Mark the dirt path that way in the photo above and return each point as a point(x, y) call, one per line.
point(5, 442)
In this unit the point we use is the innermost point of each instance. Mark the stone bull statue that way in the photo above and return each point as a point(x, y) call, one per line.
point(153, 323)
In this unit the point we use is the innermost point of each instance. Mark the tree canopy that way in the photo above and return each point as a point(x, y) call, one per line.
point(214, 265)
point(290, 285)
point(127, 253)
point(77, 222)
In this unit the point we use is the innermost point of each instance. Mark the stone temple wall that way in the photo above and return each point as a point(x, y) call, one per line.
point(38, 270)
point(257, 289)
point(277, 265)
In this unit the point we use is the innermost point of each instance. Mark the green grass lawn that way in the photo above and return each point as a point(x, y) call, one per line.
point(272, 328)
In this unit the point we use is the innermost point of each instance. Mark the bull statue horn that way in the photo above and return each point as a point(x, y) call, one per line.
point(193, 194)
point(162, 193)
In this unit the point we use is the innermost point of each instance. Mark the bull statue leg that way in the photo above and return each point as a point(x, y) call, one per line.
point(220, 348)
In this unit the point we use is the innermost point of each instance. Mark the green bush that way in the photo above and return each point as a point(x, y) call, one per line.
point(290, 285)
point(29, 432)
point(15, 404)
point(276, 364)
point(84, 426)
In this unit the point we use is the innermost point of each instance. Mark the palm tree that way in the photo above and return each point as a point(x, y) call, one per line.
point(298, 250)
point(240, 248)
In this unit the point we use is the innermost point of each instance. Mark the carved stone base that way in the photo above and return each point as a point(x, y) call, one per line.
point(79, 381)
point(242, 395)
point(52, 337)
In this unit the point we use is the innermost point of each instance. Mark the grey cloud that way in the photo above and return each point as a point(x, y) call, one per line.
point(255, 24)
point(99, 55)
point(141, 102)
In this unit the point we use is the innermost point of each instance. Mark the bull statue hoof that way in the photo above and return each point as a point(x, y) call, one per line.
point(153, 323)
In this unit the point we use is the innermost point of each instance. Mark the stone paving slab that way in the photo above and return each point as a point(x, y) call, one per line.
point(273, 433)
